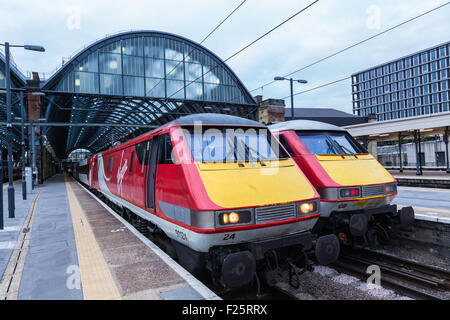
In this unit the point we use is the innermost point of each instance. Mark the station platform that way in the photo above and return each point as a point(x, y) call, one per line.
point(429, 179)
point(64, 244)
point(430, 204)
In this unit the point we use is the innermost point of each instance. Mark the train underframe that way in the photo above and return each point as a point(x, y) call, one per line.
point(368, 227)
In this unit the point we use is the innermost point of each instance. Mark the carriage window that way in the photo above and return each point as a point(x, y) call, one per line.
point(110, 164)
point(165, 149)
point(140, 151)
point(131, 161)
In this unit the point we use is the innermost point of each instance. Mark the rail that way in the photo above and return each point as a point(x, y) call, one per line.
point(408, 277)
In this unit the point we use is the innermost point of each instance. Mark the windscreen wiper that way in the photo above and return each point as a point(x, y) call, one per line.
point(349, 152)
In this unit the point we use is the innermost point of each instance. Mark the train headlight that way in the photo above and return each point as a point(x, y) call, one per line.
point(350, 193)
point(391, 188)
point(307, 208)
point(234, 218)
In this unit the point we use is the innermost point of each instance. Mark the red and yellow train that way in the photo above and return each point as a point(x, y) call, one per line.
point(221, 189)
point(356, 192)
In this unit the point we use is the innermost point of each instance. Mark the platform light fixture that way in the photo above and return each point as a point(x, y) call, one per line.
point(291, 80)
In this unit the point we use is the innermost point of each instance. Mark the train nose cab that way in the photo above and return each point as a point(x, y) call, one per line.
point(247, 196)
point(219, 193)
point(356, 191)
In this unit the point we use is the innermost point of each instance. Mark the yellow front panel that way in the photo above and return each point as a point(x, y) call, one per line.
point(355, 170)
point(231, 186)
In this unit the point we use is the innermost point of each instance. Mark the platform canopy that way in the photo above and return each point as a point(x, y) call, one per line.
point(17, 81)
point(136, 78)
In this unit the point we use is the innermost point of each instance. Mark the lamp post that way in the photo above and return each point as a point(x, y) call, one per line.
point(11, 206)
point(292, 90)
point(447, 156)
point(1, 184)
point(22, 144)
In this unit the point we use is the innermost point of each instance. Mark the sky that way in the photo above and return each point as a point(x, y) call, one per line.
point(65, 27)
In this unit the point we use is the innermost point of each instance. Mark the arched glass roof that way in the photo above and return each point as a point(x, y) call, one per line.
point(17, 81)
point(144, 77)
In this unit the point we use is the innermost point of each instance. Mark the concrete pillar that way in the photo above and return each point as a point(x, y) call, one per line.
point(400, 151)
point(34, 113)
point(447, 161)
point(417, 144)
point(372, 148)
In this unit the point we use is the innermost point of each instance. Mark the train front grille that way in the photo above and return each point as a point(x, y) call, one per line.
point(372, 191)
point(275, 213)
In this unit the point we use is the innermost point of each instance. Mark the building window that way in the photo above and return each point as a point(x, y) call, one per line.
point(424, 57)
point(408, 62)
point(442, 51)
point(433, 54)
point(434, 66)
point(435, 87)
point(434, 76)
point(444, 96)
point(408, 73)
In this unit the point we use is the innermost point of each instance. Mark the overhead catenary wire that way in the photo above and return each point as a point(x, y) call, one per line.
point(355, 44)
point(318, 87)
point(247, 46)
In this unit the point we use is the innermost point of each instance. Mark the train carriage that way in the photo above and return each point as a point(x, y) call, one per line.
point(220, 187)
point(82, 171)
point(356, 191)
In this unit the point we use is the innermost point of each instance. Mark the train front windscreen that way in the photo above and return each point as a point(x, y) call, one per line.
point(234, 145)
point(331, 143)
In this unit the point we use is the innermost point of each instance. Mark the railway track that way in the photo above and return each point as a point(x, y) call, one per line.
point(407, 277)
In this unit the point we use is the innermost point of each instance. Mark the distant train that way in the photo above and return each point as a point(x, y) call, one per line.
point(356, 191)
point(221, 189)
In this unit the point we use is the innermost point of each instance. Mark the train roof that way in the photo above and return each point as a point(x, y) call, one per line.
point(304, 125)
point(206, 119)
point(215, 119)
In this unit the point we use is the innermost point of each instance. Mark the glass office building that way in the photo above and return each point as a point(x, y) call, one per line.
point(414, 85)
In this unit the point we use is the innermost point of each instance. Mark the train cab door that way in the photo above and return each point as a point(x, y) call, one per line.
point(151, 172)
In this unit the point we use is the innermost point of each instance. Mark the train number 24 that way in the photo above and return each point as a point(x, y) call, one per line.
point(229, 236)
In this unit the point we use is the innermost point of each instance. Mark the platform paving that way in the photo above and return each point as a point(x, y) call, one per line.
point(13, 227)
point(52, 250)
point(77, 248)
point(429, 204)
point(429, 179)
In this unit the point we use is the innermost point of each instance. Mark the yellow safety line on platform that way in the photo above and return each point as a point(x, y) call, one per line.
point(96, 279)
